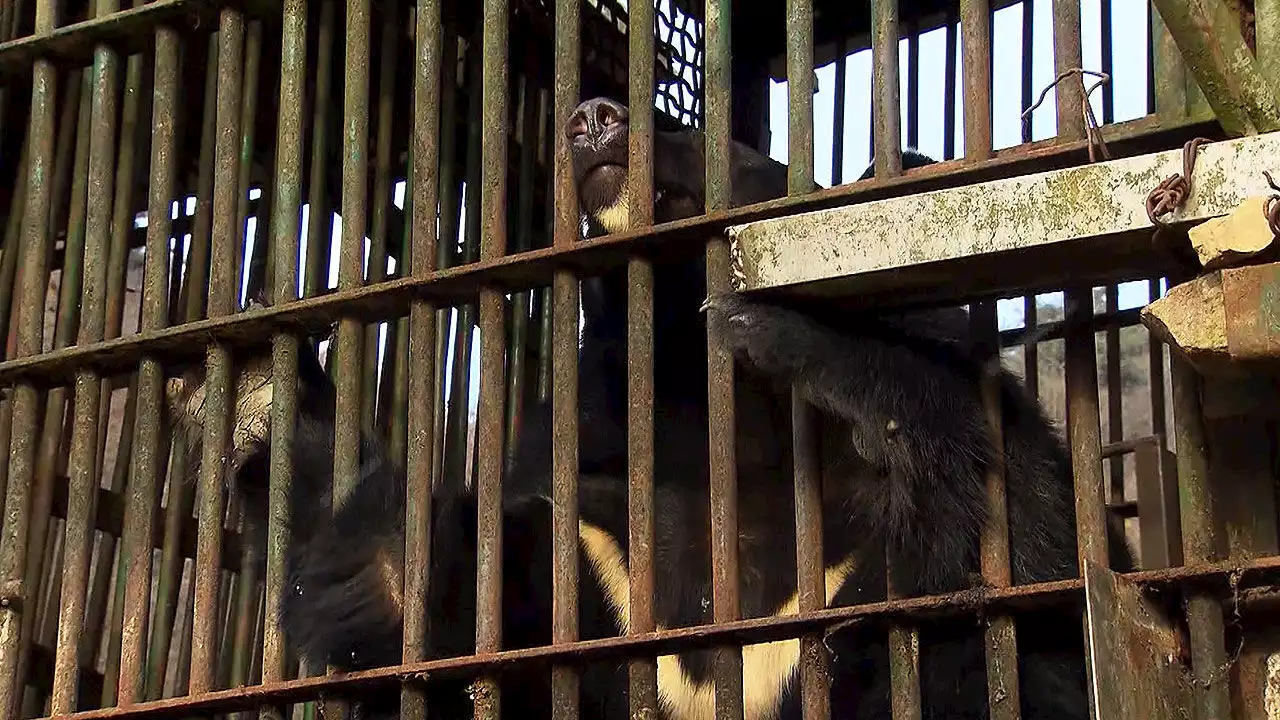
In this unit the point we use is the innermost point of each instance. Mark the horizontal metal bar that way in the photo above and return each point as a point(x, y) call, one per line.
point(128, 31)
point(1084, 223)
point(1219, 577)
point(450, 286)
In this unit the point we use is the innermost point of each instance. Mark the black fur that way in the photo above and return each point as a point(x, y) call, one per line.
point(904, 451)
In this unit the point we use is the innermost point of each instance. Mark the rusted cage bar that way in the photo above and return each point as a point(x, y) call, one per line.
point(15, 586)
point(489, 420)
point(643, 672)
point(730, 704)
point(565, 679)
point(422, 194)
point(284, 236)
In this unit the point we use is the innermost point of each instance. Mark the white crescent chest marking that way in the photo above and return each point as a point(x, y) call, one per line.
point(767, 668)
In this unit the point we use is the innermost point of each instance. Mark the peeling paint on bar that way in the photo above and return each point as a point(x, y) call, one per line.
point(1015, 214)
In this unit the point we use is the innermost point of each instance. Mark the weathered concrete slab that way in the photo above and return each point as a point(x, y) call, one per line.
point(1079, 224)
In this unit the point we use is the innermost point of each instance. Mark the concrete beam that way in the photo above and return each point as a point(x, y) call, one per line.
point(1050, 229)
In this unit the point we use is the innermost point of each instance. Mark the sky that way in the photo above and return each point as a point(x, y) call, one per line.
point(1129, 79)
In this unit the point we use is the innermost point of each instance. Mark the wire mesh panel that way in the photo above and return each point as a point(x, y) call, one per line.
point(399, 359)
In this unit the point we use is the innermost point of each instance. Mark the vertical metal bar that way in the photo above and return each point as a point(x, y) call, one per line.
point(1028, 62)
point(800, 96)
point(136, 544)
point(640, 520)
point(493, 244)
point(1083, 427)
point(949, 84)
point(84, 478)
point(319, 216)
point(913, 85)
point(725, 603)
point(1108, 63)
point(810, 579)
point(422, 194)
point(1155, 376)
point(564, 360)
point(222, 293)
point(1001, 637)
point(815, 695)
point(35, 245)
point(252, 69)
point(837, 129)
point(1202, 541)
point(1066, 55)
point(1115, 395)
point(285, 222)
point(886, 112)
point(196, 278)
point(1030, 347)
point(975, 27)
point(449, 189)
point(392, 20)
point(520, 302)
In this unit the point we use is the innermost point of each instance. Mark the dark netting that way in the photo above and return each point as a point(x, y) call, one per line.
point(679, 54)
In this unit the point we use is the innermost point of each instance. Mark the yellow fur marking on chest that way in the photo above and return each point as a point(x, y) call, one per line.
point(615, 216)
point(767, 668)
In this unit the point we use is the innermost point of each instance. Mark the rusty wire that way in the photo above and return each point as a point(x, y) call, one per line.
point(1093, 132)
point(1172, 192)
point(1272, 208)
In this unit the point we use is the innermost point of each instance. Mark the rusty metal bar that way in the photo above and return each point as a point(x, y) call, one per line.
point(493, 244)
point(640, 521)
point(1066, 55)
point(975, 29)
point(1028, 58)
point(319, 230)
point(949, 84)
point(84, 476)
point(392, 21)
point(1155, 370)
point(36, 243)
point(810, 583)
point(837, 129)
point(252, 69)
point(885, 104)
point(1115, 396)
point(564, 360)
point(913, 84)
point(815, 697)
point(422, 200)
point(219, 382)
point(1108, 62)
point(1218, 577)
point(725, 603)
point(284, 241)
point(146, 480)
point(1083, 427)
point(1001, 637)
point(1030, 347)
point(1202, 541)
